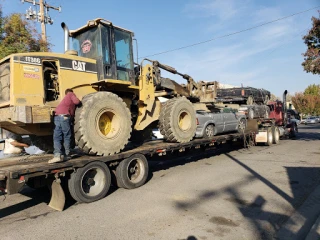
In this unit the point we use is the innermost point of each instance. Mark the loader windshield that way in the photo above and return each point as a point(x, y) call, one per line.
point(124, 59)
point(88, 44)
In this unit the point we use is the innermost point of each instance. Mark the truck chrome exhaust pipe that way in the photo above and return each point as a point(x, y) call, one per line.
point(66, 36)
point(284, 107)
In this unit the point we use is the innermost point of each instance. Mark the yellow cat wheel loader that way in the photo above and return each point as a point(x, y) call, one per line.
point(119, 97)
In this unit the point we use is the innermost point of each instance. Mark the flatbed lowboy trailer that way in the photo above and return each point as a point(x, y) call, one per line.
point(88, 178)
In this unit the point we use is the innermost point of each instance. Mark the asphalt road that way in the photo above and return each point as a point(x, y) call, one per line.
point(232, 194)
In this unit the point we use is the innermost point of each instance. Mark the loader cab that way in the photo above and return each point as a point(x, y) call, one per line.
point(111, 46)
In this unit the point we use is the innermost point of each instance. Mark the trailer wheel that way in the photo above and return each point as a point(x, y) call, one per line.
point(269, 137)
point(209, 131)
point(90, 183)
point(177, 120)
point(103, 124)
point(276, 135)
point(132, 172)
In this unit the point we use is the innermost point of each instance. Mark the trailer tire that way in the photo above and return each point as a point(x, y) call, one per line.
point(103, 124)
point(132, 172)
point(90, 183)
point(276, 135)
point(177, 121)
point(269, 137)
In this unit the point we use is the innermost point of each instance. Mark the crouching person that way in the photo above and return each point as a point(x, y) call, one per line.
point(14, 145)
point(63, 120)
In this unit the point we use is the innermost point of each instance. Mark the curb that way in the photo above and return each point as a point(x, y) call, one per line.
point(305, 221)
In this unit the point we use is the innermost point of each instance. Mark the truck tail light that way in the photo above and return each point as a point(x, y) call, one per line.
point(197, 121)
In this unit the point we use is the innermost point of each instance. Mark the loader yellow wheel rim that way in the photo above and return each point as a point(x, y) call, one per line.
point(184, 121)
point(108, 124)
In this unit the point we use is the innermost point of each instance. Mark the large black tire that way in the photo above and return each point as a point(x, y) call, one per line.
point(4, 82)
point(275, 135)
point(269, 137)
point(103, 124)
point(132, 172)
point(177, 120)
point(293, 131)
point(209, 131)
point(90, 183)
point(45, 143)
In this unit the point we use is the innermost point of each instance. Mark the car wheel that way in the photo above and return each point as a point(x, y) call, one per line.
point(242, 125)
point(209, 131)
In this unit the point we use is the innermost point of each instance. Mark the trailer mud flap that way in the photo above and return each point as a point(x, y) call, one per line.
point(58, 197)
point(262, 137)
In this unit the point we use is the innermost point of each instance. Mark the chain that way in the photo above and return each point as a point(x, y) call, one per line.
point(27, 158)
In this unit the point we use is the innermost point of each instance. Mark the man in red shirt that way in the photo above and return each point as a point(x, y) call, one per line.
point(63, 118)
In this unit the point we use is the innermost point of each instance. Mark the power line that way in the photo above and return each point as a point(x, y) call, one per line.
point(231, 34)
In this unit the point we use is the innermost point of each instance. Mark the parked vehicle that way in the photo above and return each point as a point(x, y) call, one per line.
point(243, 95)
point(210, 124)
point(311, 120)
point(303, 120)
point(296, 121)
point(318, 119)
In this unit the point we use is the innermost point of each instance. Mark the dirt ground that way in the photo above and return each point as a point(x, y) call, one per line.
point(232, 193)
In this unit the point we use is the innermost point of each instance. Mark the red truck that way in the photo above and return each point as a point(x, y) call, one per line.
point(277, 124)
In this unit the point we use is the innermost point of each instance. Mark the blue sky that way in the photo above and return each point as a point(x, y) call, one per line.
point(267, 57)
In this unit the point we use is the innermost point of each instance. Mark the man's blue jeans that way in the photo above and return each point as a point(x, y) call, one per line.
point(62, 134)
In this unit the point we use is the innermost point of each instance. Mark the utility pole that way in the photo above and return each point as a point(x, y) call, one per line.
point(42, 16)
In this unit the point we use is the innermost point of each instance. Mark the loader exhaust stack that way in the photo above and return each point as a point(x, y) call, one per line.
point(66, 36)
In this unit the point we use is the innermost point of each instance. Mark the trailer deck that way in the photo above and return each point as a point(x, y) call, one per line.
point(17, 171)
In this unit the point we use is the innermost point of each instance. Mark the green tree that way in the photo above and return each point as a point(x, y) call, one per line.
point(312, 89)
point(18, 35)
point(308, 102)
point(311, 61)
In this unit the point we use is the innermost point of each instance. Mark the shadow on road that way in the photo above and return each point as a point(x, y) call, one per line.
point(308, 136)
point(299, 178)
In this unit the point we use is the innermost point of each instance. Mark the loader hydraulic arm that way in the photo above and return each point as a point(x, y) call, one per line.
point(192, 85)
